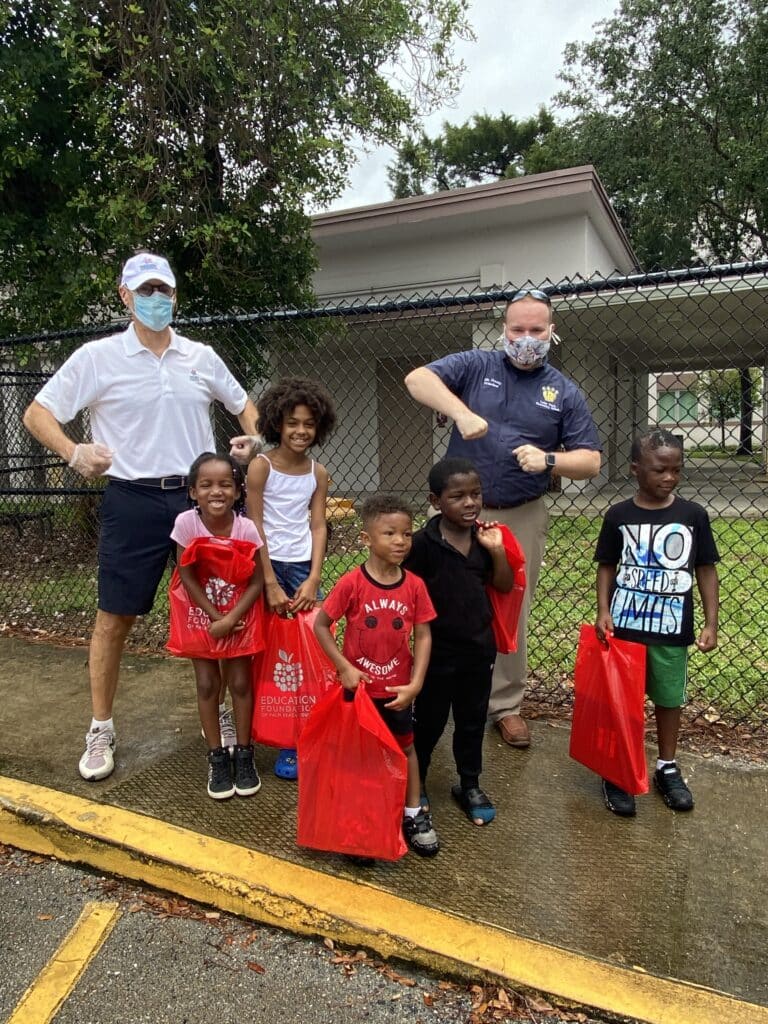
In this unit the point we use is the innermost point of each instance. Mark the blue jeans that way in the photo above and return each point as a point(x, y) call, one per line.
point(290, 576)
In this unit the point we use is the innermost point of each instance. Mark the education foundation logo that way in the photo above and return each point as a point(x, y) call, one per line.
point(197, 619)
point(287, 675)
point(219, 592)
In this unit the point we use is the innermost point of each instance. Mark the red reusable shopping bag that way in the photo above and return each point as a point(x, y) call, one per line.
point(352, 776)
point(289, 678)
point(608, 731)
point(223, 567)
point(506, 606)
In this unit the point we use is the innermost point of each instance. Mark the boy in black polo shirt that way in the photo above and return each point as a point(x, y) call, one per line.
point(457, 557)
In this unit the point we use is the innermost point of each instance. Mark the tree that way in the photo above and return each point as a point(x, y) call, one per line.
point(671, 105)
point(482, 149)
point(726, 393)
point(199, 130)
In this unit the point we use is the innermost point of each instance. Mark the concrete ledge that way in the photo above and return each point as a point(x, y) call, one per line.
point(292, 897)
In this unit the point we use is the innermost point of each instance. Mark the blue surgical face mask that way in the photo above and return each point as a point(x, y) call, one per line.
point(526, 353)
point(154, 311)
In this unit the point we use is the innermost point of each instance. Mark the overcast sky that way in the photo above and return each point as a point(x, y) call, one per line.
point(512, 67)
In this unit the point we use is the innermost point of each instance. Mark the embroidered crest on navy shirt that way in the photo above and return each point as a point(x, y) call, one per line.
point(491, 382)
point(549, 398)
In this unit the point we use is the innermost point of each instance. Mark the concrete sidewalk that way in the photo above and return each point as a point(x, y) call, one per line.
point(641, 917)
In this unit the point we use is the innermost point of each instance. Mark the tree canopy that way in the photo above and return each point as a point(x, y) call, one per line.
point(198, 130)
point(669, 101)
point(481, 149)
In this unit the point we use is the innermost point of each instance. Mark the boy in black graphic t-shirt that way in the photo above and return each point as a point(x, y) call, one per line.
point(649, 550)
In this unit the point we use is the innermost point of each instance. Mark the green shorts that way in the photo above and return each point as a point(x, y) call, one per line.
point(666, 675)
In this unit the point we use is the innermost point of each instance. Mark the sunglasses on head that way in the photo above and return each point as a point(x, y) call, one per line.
point(148, 289)
point(530, 293)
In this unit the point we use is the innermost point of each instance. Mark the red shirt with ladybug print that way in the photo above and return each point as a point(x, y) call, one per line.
point(380, 620)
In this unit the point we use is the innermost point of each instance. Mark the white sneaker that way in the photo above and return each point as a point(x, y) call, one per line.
point(98, 760)
point(227, 733)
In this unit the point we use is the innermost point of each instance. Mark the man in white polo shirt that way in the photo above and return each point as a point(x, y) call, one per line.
point(148, 392)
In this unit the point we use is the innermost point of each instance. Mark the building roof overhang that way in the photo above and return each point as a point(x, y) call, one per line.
point(502, 205)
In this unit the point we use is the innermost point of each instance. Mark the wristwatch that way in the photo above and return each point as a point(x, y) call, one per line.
point(549, 459)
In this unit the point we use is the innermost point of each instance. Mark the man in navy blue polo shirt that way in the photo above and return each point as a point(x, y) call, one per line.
point(519, 420)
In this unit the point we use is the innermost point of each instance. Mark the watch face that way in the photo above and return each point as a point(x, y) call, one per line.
point(550, 459)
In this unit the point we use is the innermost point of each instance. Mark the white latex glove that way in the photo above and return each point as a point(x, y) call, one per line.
point(244, 447)
point(91, 460)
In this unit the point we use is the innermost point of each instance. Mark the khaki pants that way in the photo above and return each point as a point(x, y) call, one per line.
point(529, 524)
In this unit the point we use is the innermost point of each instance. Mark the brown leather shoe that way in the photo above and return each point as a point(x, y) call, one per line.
point(514, 731)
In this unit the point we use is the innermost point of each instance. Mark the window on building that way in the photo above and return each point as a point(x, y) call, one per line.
point(678, 406)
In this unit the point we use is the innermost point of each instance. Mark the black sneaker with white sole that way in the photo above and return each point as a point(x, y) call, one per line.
point(220, 785)
point(671, 784)
point(247, 781)
point(618, 800)
point(420, 834)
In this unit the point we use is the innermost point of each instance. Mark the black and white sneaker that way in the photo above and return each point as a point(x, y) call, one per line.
point(618, 800)
point(220, 785)
point(671, 784)
point(420, 834)
point(247, 781)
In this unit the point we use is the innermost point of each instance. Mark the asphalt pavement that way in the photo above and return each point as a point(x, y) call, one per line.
point(169, 961)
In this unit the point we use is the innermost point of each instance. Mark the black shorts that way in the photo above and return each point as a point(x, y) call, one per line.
point(134, 544)
point(399, 723)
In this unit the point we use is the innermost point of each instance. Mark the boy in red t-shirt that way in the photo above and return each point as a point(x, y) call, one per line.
point(383, 604)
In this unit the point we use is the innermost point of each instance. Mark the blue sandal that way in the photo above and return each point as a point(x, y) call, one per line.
point(475, 804)
point(286, 765)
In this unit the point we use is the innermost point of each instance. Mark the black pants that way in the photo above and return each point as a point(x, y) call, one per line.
point(465, 690)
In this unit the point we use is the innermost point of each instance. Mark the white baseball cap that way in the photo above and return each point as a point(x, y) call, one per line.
point(146, 267)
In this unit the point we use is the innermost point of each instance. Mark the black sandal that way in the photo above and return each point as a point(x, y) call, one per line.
point(475, 804)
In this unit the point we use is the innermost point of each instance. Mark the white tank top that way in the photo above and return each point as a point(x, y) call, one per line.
point(286, 513)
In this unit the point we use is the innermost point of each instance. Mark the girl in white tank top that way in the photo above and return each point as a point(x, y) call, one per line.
point(286, 495)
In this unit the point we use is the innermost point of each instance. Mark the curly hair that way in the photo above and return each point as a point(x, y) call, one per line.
point(237, 475)
point(282, 398)
point(652, 440)
point(383, 505)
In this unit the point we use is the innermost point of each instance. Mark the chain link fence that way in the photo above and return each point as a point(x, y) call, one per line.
point(685, 350)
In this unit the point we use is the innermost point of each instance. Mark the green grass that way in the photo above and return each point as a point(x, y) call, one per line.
point(715, 451)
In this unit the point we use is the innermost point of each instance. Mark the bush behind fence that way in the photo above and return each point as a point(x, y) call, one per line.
point(685, 350)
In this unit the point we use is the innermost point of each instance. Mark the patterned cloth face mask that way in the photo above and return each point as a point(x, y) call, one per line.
point(526, 353)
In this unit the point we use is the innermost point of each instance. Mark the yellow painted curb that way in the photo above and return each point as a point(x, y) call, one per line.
point(287, 895)
point(41, 1001)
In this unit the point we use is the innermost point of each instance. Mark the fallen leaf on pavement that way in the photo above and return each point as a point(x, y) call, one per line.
point(394, 976)
point(540, 1005)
